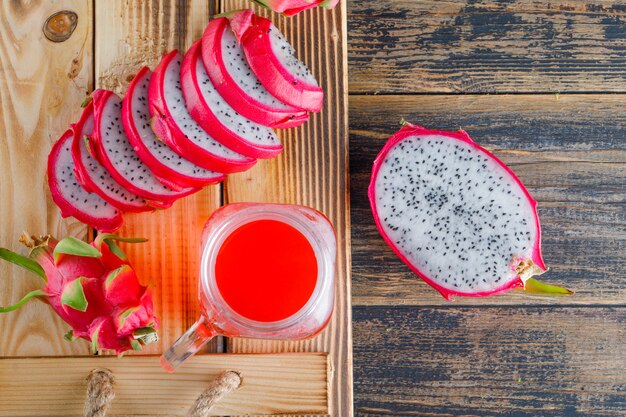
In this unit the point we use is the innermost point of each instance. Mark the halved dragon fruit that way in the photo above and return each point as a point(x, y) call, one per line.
point(112, 149)
point(93, 176)
point(71, 197)
point(272, 59)
point(233, 78)
point(170, 168)
point(456, 215)
point(216, 117)
point(172, 122)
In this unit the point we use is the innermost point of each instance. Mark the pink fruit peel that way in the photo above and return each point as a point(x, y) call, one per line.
point(272, 59)
point(234, 80)
point(93, 288)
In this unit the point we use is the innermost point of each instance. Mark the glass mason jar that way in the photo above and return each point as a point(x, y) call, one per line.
point(219, 318)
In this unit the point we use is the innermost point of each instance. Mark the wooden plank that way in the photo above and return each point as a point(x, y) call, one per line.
point(539, 361)
point(568, 150)
point(281, 384)
point(129, 36)
point(41, 87)
point(313, 171)
point(408, 46)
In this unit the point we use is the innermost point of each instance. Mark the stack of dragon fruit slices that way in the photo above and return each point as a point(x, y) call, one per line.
point(184, 126)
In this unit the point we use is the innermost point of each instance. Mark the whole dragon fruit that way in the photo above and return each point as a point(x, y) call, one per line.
point(92, 287)
point(456, 215)
point(292, 7)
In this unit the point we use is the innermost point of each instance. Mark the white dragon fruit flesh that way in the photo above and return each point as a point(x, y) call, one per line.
point(456, 215)
point(272, 59)
point(71, 197)
point(93, 176)
point(169, 167)
point(217, 117)
point(173, 124)
point(233, 78)
point(113, 150)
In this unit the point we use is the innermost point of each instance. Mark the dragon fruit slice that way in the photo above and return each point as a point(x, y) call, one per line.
point(232, 77)
point(93, 176)
point(217, 118)
point(292, 7)
point(112, 149)
point(172, 122)
point(71, 197)
point(92, 287)
point(272, 59)
point(456, 215)
point(170, 168)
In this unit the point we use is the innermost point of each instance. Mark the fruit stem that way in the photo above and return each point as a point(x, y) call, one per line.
point(27, 297)
point(534, 286)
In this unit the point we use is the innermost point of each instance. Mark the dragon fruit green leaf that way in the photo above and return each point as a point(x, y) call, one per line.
point(23, 261)
point(72, 246)
point(24, 300)
point(74, 295)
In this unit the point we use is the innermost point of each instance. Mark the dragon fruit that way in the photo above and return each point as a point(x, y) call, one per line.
point(170, 168)
point(272, 59)
point(93, 176)
point(217, 118)
point(233, 78)
point(71, 197)
point(456, 215)
point(112, 149)
point(292, 7)
point(173, 124)
point(92, 287)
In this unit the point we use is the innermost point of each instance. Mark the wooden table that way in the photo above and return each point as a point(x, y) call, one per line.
point(41, 87)
point(543, 84)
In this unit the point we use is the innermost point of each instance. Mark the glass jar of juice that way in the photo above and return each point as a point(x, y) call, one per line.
point(267, 271)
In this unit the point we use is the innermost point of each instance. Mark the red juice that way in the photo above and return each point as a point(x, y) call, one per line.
point(266, 270)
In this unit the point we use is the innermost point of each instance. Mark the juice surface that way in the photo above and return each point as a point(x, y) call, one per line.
point(266, 270)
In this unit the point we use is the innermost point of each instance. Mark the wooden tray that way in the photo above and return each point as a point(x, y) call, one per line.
point(41, 87)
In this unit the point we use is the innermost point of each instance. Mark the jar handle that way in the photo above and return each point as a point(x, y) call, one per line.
point(187, 345)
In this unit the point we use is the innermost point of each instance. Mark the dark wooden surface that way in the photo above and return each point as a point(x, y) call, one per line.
point(543, 84)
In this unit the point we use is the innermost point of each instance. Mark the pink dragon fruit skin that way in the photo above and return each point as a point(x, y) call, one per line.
point(93, 176)
point(71, 197)
point(167, 165)
point(272, 59)
point(172, 122)
point(430, 189)
point(293, 7)
point(219, 119)
point(233, 79)
point(93, 288)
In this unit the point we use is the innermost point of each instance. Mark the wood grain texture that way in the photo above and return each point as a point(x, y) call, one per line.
point(408, 46)
point(41, 87)
point(570, 153)
point(281, 384)
point(129, 35)
point(477, 362)
point(313, 171)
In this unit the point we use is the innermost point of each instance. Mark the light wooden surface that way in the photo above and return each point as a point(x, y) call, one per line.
point(509, 355)
point(36, 387)
point(41, 87)
point(313, 171)
point(129, 36)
